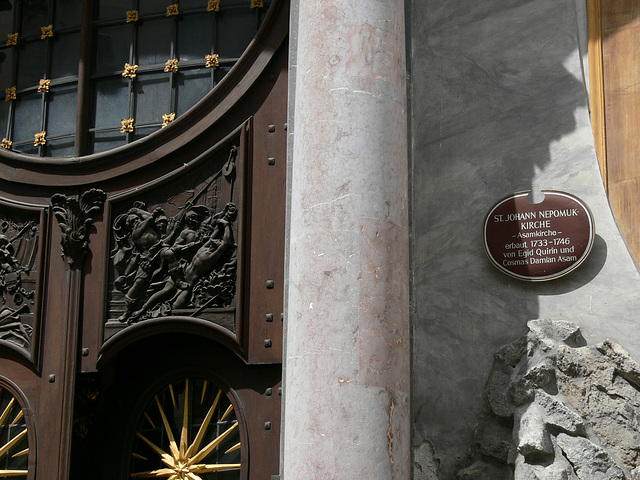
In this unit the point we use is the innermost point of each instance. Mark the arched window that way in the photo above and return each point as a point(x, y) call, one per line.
point(82, 77)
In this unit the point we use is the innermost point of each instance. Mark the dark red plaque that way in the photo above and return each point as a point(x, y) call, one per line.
point(538, 241)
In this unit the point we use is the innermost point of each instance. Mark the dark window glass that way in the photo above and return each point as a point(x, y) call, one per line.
point(154, 41)
point(142, 132)
point(62, 110)
point(4, 113)
point(114, 9)
point(68, 13)
point(236, 29)
point(148, 7)
point(6, 70)
point(192, 5)
point(103, 141)
point(35, 14)
point(153, 98)
point(111, 102)
point(194, 36)
point(28, 117)
point(64, 59)
point(145, 95)
point(113, 45)
point(31, 64)
point(60, 147)
point(28, 148)
point(192, 86)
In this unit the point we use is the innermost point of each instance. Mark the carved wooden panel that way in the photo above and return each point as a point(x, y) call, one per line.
point(174, 248)
point(20, 273)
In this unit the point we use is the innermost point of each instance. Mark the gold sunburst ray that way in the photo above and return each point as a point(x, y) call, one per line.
point(203, 427)
point(146, 415)
point(173, 395)
point(5, 414)
point(184, 440)
point(17, 419)
point(173, 446)
point(160, 472)
point(137, 455)
point(153, 446)
point(21, 453)
point(217, 467)
point(4, 449)
point(227, 412)
point(202, 454)
point(12, 473)
point(237, 446)
point(204, 390)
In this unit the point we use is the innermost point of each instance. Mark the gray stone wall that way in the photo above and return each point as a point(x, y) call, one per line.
point(498, 105)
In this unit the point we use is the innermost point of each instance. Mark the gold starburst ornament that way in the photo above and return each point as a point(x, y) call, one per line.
point(171, 65)
point(127, 125)
point(180, 407)
point(12, 39)
point(212, 60)
point(40, 138)
point(130, 70)
point(46, 32)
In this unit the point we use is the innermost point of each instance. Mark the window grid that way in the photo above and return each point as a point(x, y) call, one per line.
point(84, 134)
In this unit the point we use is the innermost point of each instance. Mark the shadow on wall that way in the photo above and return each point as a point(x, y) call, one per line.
point(494, 85)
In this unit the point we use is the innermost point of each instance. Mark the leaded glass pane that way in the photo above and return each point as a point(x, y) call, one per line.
point(193, 4)
point(68, 13)
point(103, 141)
point(62, 110)
point(114, 9)
point(219, 73)
point(4, 113)
point(113, 46)
point(31, 64)
point(148, 7)
point(153, 98)
point(192, 86)
point(60, 147)
point(66, 51)
point(6, 25)
point(236, 29)
point(111, 101)
point(28, 117)
point(142, 132)
point(194, 36)
point(6, 69)
point(35, 14)
point(154, 41)
point(28, 148)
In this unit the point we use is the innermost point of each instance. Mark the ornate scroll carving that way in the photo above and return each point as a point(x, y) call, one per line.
point(74, 218)
point(178, 257)
point(18, 274)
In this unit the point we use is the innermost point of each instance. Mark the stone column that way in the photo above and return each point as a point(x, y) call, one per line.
point(347, 345)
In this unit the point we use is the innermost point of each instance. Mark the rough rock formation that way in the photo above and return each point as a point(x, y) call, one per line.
point(559, 410)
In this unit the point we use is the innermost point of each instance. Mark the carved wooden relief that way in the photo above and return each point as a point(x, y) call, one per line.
point(174, 251)
point(19, 273)
point(75, 217)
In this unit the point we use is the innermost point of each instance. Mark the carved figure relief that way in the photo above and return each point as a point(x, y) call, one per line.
point(18, 276)
point(178, 257)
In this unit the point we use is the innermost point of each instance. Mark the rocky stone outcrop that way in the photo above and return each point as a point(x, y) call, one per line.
point(559, 410)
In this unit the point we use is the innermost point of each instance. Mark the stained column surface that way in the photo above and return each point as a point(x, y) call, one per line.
point(347, 353)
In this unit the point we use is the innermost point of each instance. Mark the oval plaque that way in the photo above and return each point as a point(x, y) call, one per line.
point(538, 241)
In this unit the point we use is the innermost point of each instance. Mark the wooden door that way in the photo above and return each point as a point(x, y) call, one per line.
point(614, 53)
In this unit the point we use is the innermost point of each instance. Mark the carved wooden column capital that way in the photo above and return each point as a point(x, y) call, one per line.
point(75, 217)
